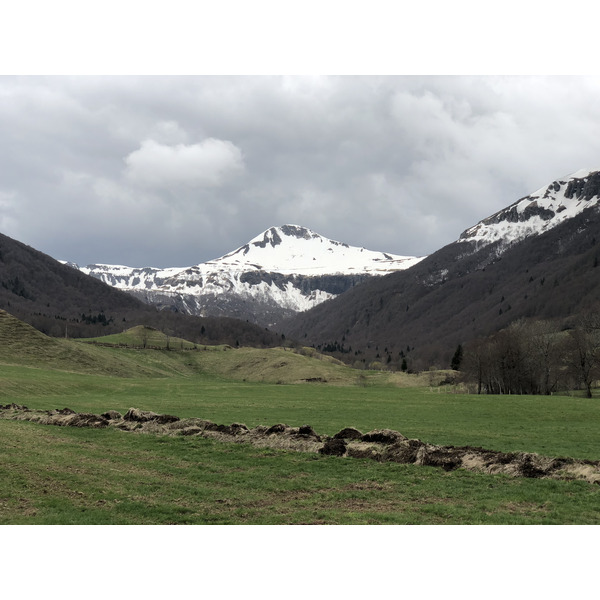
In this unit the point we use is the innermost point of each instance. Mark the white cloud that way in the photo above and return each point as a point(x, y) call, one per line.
point(206, 164)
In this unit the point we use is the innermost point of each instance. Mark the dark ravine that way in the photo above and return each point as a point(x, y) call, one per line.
point(383, 445)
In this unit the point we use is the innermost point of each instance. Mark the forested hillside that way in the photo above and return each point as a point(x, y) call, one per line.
point(61, 301)
point(536, 357)
point(419, 316)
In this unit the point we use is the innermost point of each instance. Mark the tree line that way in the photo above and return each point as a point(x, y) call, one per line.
point(536, 357)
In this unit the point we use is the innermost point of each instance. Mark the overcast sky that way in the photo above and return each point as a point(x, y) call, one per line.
point(177, 170)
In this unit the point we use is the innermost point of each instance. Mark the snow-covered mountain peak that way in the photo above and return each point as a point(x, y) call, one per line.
point(274, 235)
point(292, 249)
point(283, 270)
point(538, 212)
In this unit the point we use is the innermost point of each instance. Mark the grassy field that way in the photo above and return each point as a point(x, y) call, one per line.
point(143, 337)
point(73, 476)
point(82, 476)
point(553, 426)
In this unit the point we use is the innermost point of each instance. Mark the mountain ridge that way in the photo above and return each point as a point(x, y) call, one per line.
point(282, 271)
point(536, 258)
point(539, 211)
point(545, 268)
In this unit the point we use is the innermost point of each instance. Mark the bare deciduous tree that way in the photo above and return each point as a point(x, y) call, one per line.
point(584, 346)
point(534, 357)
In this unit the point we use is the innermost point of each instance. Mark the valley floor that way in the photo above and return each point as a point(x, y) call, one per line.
point(87, 476)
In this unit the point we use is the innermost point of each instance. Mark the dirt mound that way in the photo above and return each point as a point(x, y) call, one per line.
point(13, 406)
point(143, 416)
point(384, 445)
point(63, 418)
point(112, 415)
point(383, 436)
point(334, 447)
point(308, 431)
point(348, 433)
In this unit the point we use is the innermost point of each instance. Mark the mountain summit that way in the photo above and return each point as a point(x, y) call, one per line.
point(280, 272)
point(291, 249)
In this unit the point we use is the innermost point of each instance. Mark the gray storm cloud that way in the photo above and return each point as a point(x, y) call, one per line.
point(172, 171)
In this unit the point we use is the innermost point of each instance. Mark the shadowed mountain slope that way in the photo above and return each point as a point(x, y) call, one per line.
point(457, 294)
point(59, 300)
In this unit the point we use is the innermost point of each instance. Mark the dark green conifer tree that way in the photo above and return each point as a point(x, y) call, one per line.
point(457, 358)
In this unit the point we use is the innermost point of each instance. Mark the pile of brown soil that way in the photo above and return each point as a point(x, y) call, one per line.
point(383, 445)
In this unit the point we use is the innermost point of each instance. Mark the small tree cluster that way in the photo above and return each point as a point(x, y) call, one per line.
point(100, 318)
point(536, 357)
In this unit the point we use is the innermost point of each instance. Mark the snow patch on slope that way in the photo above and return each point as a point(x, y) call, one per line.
point(539, 212)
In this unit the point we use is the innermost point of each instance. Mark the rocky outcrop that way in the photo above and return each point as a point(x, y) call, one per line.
point(584, 188)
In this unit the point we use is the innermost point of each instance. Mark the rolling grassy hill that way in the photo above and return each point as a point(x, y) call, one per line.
point(270, 365)
point(58, 299)
point(264, 386)
point(24, 346)
point(143, 337)
point(123, 355)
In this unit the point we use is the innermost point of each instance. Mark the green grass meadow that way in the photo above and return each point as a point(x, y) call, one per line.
point(54, 475)
point(549, 425)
